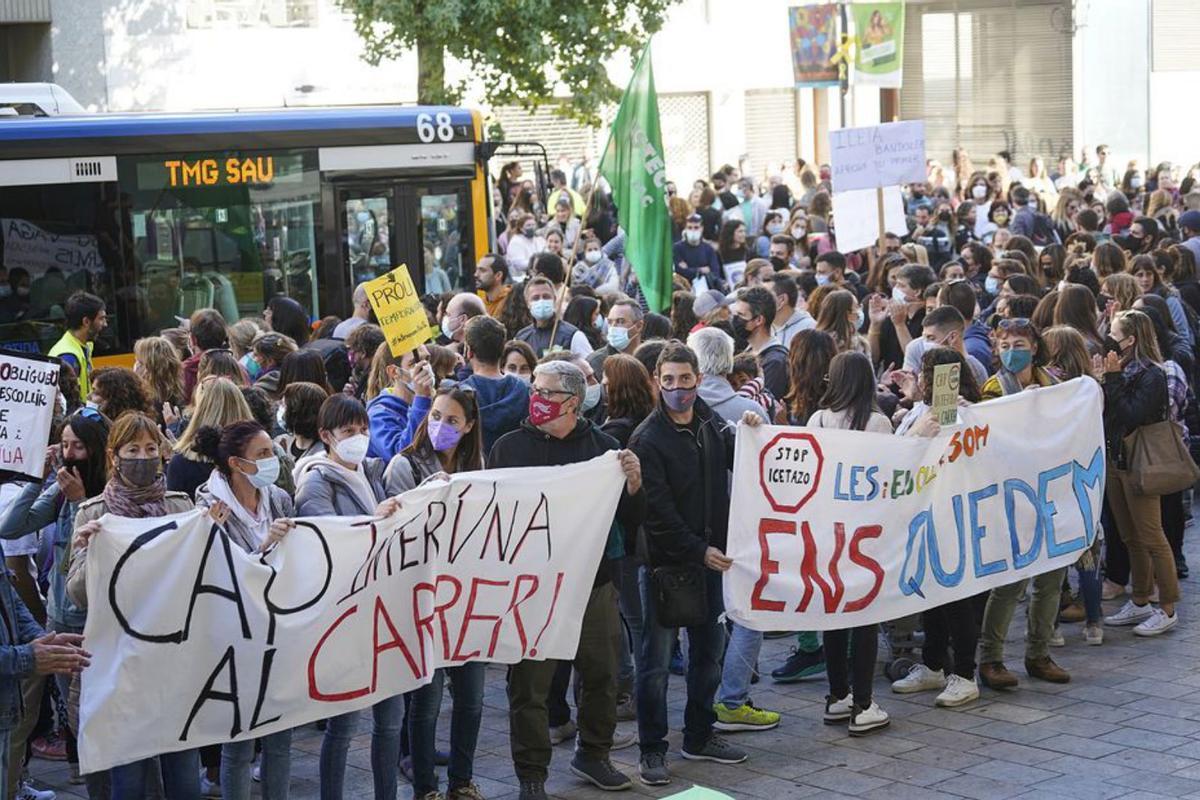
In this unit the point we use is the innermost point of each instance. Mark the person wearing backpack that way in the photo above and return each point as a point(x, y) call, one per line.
point(1030, 222)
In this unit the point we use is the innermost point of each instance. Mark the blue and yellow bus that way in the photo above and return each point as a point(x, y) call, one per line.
point(163, 214)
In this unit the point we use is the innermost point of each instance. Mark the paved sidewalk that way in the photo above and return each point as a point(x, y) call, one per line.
point(1128, 725)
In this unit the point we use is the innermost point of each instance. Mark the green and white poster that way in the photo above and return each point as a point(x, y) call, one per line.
point(879, 33)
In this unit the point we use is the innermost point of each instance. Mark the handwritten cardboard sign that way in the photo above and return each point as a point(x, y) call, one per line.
point(878, 155)
point(399, 310)
point(28, 391)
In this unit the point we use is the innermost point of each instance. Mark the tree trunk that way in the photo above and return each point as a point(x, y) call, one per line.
point(431, 73)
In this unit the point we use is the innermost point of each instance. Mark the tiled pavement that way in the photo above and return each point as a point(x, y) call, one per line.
point(1127, 726)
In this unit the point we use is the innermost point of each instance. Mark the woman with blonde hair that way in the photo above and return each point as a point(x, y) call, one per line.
point(1067, 351)
point(218, 403)
point(1137, 393)
point(960, 160)
point(841, 316)
point(1070, 200)
point(241, 337)
point(1123, 289)
point(157, 364)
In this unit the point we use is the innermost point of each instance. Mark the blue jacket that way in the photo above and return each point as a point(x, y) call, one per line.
point(503, 404)
point(36, 507)
point(393, 423)
point(702, 255)
point(978, 342)
point(17, 629)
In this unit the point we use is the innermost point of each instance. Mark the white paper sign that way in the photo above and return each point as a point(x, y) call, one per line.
point(195, 642)
point(28, 389)
point(34, 249)
point(856, 217)
point(835, 529)
point(878, 155)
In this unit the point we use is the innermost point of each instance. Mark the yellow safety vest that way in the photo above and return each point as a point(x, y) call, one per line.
point(69, 345)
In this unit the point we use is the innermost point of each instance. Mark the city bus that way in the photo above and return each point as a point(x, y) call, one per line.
point(163, 214)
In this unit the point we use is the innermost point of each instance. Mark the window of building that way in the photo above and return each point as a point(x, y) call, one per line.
point(989, 75)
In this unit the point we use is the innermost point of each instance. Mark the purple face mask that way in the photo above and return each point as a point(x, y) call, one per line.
point(443, 435)
point(678, 400)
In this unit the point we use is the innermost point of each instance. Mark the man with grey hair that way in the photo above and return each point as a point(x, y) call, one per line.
point(624, 332)
point(556, 433)
point(714, 351)
point(360, 314)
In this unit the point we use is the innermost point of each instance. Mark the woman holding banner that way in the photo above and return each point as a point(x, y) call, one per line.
point(952, 624)
point(242, 499)
point(136, 488)
point(79, 476)
point(343, 482)
point(849, 404)
point(448, 440)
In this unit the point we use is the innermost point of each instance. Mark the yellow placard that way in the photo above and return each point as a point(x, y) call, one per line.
point(945, 393)
point(399, 310)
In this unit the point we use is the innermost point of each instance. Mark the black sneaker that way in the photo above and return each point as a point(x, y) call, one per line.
point(800, 665)
point(718, 750)
point(652, 769)
point(600, 773)
point(533, 790)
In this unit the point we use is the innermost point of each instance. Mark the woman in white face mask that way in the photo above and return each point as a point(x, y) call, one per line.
point(242, 499)
point(346, 483)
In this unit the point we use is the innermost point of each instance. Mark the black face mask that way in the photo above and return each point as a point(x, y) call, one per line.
point(740, 334)
point(1111, 345)
point(778, 263)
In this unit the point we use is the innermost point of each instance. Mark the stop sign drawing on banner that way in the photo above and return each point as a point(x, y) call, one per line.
point(789, 470)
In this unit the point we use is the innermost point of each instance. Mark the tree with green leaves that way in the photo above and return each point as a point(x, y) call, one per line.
point(518, 49)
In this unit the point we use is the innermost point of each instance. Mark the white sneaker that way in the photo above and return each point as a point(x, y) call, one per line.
point(838, 710)
point(1093, 633)
point(1129, 614)
point(1056, 638)
point(27, 792)
point(623, 739)
point(866, 720)
point(958, 692)
point(563, 733)
point(211, 789)
point(1158, 622)
point(1111, 590)
point(920, 679)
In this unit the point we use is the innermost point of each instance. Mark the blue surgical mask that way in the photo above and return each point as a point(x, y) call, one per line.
point(992, 285)
point(542, 310)
point(859, 319)
point(591, 397)
point(1016, 361)
point(5, 290)
point(267, 474)
point(822, 279)
point(898, 295)
point(618, 338)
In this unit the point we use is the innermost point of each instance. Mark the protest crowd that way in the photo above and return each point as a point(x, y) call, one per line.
point(1024, 278)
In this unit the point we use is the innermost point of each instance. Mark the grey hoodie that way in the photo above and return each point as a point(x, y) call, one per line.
point(281, 508)
point(324, 492)
point(725, 402)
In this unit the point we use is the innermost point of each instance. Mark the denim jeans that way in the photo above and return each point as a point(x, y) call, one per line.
point(236, 758)
point(180, 777)
point(385, 749)
point(466, 691)
point(1089, 590)
point(629, 596)
point(741, 655)
point(706, 644)
point(5, 739)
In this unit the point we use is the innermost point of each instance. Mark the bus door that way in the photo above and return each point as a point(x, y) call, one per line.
point(366, 224)
point(437, 240)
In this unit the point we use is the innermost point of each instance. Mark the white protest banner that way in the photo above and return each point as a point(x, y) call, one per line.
point(35, 249)
point(833, 529)
point(856, 214)
point(878, 155)
point(195, 641)
point(28, 390)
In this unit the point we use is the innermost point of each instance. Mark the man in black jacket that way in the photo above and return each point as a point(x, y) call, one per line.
point(556, 434)
point(685, 451)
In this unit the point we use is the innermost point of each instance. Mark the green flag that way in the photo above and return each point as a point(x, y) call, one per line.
point(634, 167)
